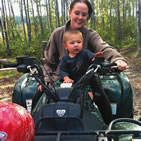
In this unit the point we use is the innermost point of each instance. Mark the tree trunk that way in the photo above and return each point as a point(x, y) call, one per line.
point(2, 30)
point(133, 5)
point(34, 19)
point(5, 29)
point(40, 20)
point(118, 22)
point(57, 14)
point(93, 15)
point(6, 20)
point(12, 11)
point(139, 26)
point(47, 21)
point(27, 21)
point(102, 6)
point(11, 18)
point(67, 8)
point(63, 11)
point(110, 15)
point(50, 19)
point(123, 22)
point(29, 24)
point(22, 18)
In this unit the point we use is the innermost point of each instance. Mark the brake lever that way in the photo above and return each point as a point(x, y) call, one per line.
point(94, 70)
point(115, 69)
point(31, 70)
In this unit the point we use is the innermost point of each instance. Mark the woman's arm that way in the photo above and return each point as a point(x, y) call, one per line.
point(51, 58)
point(96, 44)
point(54, 53)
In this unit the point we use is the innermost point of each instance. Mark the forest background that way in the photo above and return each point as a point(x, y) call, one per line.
point(117, 21)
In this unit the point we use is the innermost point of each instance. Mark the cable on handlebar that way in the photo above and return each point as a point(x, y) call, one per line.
point(52, 82)
point(25, 64)
point(53, 96)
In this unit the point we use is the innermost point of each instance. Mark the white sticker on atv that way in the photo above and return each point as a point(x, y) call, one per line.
point(114, 108)
point(29, 104)
point(60, 112)
point(66, 85)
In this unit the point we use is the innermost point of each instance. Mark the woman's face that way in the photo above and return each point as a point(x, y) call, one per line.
point(78, 15)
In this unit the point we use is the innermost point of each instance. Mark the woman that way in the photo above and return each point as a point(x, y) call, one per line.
point(80, 11)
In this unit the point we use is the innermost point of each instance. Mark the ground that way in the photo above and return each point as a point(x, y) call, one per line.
point(6, 88)
point(133, 73)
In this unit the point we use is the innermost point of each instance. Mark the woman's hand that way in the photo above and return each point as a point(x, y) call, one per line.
point(122, 65)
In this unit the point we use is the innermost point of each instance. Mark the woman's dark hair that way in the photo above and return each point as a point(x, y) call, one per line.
point(82, 1)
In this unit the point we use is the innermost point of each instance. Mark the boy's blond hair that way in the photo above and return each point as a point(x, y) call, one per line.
point(69, 32)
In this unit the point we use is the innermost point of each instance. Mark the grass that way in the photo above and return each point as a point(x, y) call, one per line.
point(9, 74)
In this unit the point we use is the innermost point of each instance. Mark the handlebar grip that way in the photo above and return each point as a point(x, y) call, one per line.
point(9, 65)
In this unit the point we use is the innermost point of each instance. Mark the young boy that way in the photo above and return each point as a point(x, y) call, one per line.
point(74, 65)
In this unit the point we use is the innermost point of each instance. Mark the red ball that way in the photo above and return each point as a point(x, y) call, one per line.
point(16, 123)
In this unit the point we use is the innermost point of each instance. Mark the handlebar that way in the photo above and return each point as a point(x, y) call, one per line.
point(97, 68)
point(100, 66)
point(102, 135)
point(103, 66)
point(27, 64)
point(40, 80)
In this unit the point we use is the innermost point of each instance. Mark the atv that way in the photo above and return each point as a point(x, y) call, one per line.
point(116, 86)
point(65, 112)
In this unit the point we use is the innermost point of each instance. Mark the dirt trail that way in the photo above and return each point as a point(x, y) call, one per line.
point(6, 88)
point(133, 73)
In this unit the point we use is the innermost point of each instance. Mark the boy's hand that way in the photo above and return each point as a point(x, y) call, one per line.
point(40, 88)
point(68, 80)
point(97, 54)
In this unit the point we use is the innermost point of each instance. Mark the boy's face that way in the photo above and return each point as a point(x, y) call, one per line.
point(73, 44)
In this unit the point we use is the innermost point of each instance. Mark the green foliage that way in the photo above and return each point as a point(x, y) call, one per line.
point(106, 26)
point(128, 43)
point(9, 74)
point(21, 47)
point(3, 52)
